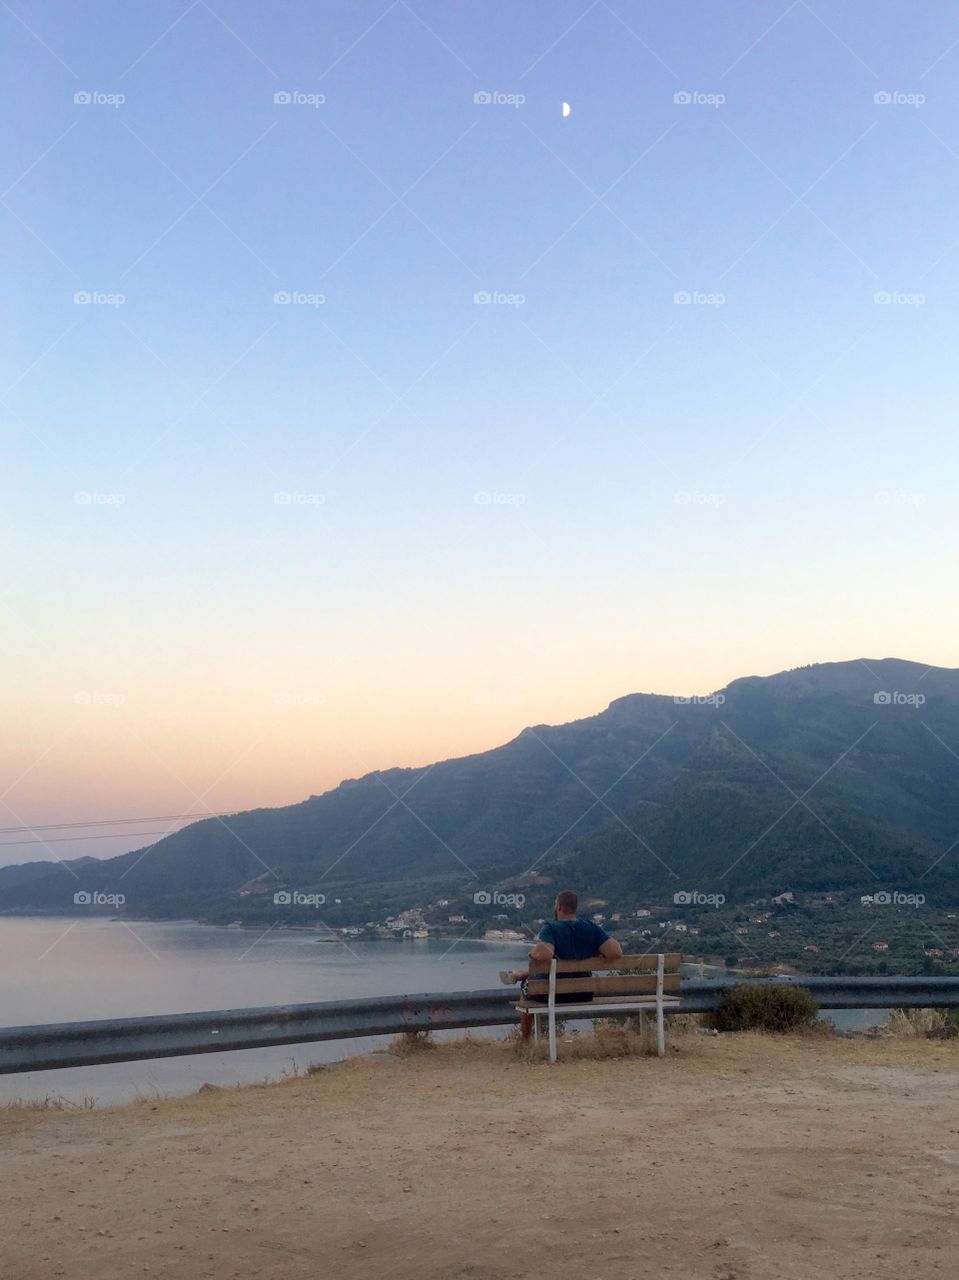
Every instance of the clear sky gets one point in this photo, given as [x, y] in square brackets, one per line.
[703, 428]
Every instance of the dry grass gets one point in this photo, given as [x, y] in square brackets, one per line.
[924, 1024]
[52, 1102]
[411, 1042]
[608, 1039]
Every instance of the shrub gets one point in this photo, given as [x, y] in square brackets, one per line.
[927, 1024]
[767, 1007]
[410, 1042]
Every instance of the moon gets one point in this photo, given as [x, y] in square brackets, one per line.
[565, 109]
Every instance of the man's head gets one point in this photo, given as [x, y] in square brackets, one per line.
[567, 904]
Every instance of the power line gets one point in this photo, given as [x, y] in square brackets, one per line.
[117, 835]
[116, 822]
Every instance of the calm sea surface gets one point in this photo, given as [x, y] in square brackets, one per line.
[68, 970]
[64, 970]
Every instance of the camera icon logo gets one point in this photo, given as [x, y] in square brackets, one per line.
[882, 898]
[82, 898]
[283, 898]
[882, 98]
[83, 98]
[683, 898]
[683, 98]
[882, 698]
[483, 98]
[283, 98]
[482, 897]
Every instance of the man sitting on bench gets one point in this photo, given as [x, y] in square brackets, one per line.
[567, 938]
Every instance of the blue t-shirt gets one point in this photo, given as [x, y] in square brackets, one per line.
[573, 939]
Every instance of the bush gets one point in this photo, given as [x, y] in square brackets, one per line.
[411, 1042]
[927, 1024]
[769, 1007]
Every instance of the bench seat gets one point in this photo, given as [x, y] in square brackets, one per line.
[606, 1003]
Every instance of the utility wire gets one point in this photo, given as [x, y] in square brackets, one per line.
[116, 822]
[116, 835]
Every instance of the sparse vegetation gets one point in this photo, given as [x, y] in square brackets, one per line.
[411, 1042]
[925, 1024]
[52, 1102]
[610, 1038]
[774, 1007]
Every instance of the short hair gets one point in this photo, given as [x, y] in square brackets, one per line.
[567, 901]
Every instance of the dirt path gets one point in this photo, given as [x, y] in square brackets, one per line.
[738, 1158]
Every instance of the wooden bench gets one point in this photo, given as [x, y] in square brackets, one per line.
[633, 984]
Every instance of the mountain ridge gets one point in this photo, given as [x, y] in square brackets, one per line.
[653, 789]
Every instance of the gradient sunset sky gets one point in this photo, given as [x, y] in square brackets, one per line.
[360, 407]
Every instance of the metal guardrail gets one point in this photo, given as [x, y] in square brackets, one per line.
[77, 1044]
[834, 993]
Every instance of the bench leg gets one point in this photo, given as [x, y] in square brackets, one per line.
[660, 1031]
[526, 1024]
[552, 1034]
[535, 1027]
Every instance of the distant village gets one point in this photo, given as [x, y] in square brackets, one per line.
[792, 930]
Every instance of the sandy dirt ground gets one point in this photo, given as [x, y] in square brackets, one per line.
[734, 1158]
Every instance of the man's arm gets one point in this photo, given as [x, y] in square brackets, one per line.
[543, 949]
[542, 952]
[611, 949]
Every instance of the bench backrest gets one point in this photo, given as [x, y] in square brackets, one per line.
[627, 976]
